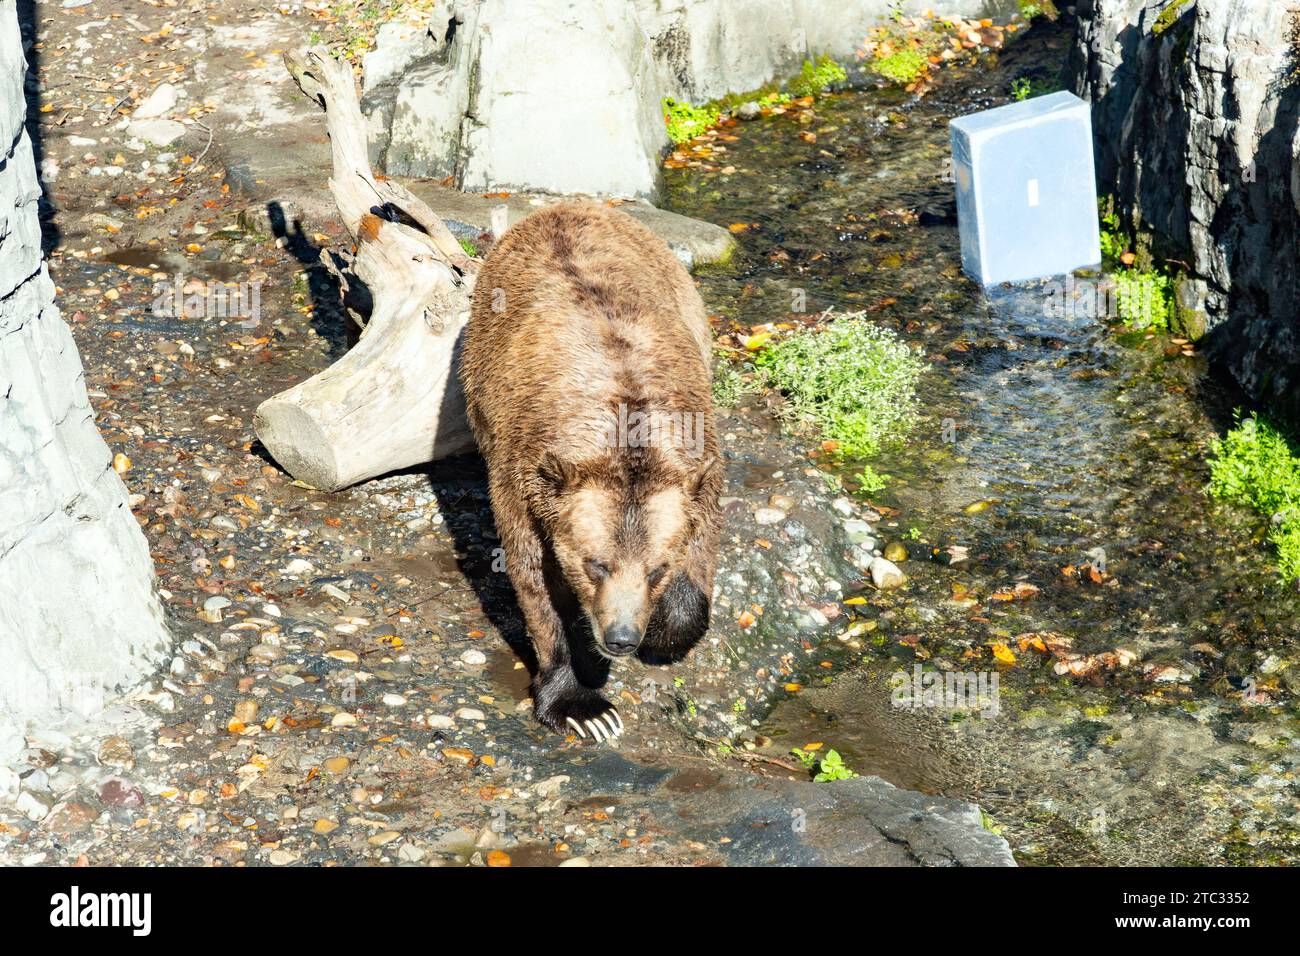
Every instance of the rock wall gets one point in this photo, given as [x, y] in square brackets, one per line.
[1195, 108]
[78, 615]
[564, 95]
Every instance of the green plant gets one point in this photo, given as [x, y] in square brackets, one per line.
[870, 481]
[1254, 465]
[1024, 87]
[470, 248]
[903, 66]
[816, 76]
[1113, 241]
[854, 383]
[829, 767]
[729, 385]
[1144, 300]
[1029, 9]
[685, 121]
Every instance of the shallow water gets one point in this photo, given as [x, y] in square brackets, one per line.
[1047, 443]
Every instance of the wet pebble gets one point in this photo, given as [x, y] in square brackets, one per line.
[885, 574]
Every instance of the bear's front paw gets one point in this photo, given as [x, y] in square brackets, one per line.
[563, 705]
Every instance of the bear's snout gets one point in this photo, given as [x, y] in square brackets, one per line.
[621, 640]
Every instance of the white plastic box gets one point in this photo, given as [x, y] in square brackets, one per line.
[1026, 191]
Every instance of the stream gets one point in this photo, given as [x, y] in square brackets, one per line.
[1051, 503]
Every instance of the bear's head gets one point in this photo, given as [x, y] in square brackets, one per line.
[621, 532]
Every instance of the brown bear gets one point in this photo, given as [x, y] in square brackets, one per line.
[587, 370]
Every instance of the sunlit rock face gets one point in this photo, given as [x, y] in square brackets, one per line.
[565, 97]
[1196, 108]
[79, 620]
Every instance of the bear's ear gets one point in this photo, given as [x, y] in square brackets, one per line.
[706, 475]
[556, 473]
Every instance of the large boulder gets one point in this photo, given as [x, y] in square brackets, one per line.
[79, 619]
[564, 96]
[1195, 110]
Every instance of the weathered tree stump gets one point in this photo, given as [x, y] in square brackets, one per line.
[395, 399]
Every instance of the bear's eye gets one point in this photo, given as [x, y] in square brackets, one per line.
[655, 576]
[597, 570]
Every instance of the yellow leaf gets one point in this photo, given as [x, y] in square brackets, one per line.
[1004, 654]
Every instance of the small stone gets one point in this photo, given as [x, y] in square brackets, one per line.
[337, 765]
[283, 857]
[474, 658]
[265, 653]
[324, 825]
[769, 515]
[409, 853]
[858, 531]
[156, 132]
[216, 603]
[246, 711]
[34, 806]
[118, 793]
[885, 574]
[895, 551]
[343, 654]
[440, 722]
[781, 502]
[297, 567]
[116, 752]
[576, 861]
[70, 818]
[387, 836]
[551, 785]
[749, 110]
[157, 103]
[343, 719]
[469, 713]
[394, 700]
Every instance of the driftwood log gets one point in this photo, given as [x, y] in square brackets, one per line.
[395, 399]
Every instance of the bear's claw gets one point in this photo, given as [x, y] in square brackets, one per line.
[564, 705]
[604, 726]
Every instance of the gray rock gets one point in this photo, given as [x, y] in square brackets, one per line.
[863, 821]
[570, 102]
[156, 132]
[1195, 135]
[158, 103]
[66, 530]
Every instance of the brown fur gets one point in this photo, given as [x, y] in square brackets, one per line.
[580, 310]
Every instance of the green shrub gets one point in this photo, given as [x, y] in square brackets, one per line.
[816, 76]
[853, 383]
[685, 121]
[902, 67]
[1254, 465]
[1145, 300]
